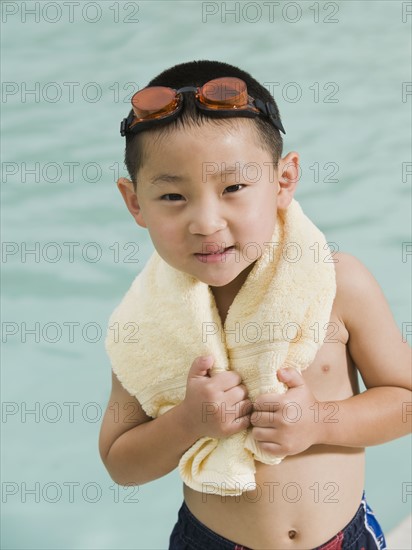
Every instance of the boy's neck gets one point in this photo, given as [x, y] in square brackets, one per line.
[224, 295]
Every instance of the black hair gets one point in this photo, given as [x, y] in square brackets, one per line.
[197, 73]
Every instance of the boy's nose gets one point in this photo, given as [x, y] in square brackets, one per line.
[206, 221]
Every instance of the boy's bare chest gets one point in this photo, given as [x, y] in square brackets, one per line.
[332, 374]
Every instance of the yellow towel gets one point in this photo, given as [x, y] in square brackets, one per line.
[278, 318]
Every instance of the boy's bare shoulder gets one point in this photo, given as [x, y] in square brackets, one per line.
[354, 282]
[351, 273]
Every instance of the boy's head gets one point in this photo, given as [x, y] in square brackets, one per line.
[202, 185]
[197, 73]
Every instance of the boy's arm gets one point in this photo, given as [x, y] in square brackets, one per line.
[384, 411]
[135, 448]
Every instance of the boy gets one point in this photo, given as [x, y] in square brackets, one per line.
[314, 497]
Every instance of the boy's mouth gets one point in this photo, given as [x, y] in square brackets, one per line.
[215, 256]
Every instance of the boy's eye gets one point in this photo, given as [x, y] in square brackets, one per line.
[234, 188]
[171, 197]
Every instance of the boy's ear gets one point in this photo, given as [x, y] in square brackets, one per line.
[129, 195]
[288, 177]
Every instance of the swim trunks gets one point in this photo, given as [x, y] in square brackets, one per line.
[363, 532]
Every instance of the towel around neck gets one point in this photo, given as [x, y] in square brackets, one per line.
[278, 318]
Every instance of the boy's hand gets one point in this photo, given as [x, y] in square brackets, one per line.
[284, 424]
[215, 405]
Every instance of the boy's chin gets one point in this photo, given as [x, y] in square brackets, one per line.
[219, 282]
[235, 280]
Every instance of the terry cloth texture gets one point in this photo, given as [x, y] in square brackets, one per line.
[278, 319]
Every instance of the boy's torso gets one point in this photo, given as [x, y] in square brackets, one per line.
[306, 499]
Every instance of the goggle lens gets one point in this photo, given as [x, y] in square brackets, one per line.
[154, 102]
[223, 93]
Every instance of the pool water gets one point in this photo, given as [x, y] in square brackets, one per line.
[339, 72]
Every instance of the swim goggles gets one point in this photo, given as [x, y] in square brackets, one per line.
[221, 97]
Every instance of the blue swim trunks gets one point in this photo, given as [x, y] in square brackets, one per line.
[363, 532]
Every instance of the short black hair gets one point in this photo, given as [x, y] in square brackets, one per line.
[197, 73]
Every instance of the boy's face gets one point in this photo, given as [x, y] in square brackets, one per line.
[209, 189]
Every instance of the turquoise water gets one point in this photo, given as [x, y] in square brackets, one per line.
[339, 88]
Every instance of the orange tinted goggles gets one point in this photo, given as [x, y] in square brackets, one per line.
[221, 97]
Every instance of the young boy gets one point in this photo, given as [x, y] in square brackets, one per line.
[314, 498]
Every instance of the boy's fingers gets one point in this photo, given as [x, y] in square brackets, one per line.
[227, 379]
[236, 395]
[291, 377]
[246, 407]
[243, 421]
[200, 366]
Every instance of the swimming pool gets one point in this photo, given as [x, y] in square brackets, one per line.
[339, 72]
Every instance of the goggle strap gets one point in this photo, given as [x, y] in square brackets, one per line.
[125, 124]
[123, 127]
[226, 113]
[187, 89]
[269, 110]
